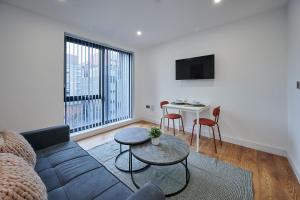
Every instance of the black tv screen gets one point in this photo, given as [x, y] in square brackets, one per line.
[196, 68]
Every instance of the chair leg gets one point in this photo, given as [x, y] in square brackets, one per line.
[168, 123]
[192, 135]
[199, 133]
[182, 124]
[174, 127]
[214, 139]
[219, 134]
[199, 130]
[160, 123]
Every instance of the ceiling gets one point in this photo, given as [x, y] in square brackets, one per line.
[159, 20]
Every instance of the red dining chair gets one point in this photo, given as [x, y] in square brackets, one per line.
[210, 123]
[171, 116]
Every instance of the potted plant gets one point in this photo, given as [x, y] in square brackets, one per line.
[155, 133]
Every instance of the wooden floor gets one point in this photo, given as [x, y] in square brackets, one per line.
[273, 177]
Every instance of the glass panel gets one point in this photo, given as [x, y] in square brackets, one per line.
[82, 82]
[82, 115]
[82, 70]
[117, 85]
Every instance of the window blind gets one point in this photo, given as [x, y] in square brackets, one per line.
[98, 84]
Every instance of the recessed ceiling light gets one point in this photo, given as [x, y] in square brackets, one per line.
[139, 33]
[217, 1]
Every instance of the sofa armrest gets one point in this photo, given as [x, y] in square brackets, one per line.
[148, 192]
[43, 138]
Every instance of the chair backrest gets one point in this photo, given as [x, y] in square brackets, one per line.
[163, 103]
[216, 113]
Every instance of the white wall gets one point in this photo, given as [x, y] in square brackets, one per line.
[31, 68]
[250, 81]
[293, 93]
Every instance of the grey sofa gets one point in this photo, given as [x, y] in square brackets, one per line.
[70, 173]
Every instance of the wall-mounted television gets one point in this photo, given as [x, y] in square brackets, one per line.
[202, 67]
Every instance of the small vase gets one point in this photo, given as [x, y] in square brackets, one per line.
[155, 141]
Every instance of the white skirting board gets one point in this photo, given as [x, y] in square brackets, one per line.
[294, 167]
[237, 141]
[95, 131]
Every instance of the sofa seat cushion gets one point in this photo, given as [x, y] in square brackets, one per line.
[69, 172]
[57, 154]
[117, 192]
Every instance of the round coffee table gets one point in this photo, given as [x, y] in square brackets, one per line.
[170, 151]
[130, 137]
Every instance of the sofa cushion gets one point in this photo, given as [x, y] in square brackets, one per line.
[16, 144]
[57, 154]
[69, 172]
[117, 192]
[18, 180]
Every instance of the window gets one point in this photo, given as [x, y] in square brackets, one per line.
[98, 84]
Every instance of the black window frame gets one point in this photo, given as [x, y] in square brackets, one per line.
[102, 96]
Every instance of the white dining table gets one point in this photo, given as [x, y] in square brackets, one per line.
[197, 110]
